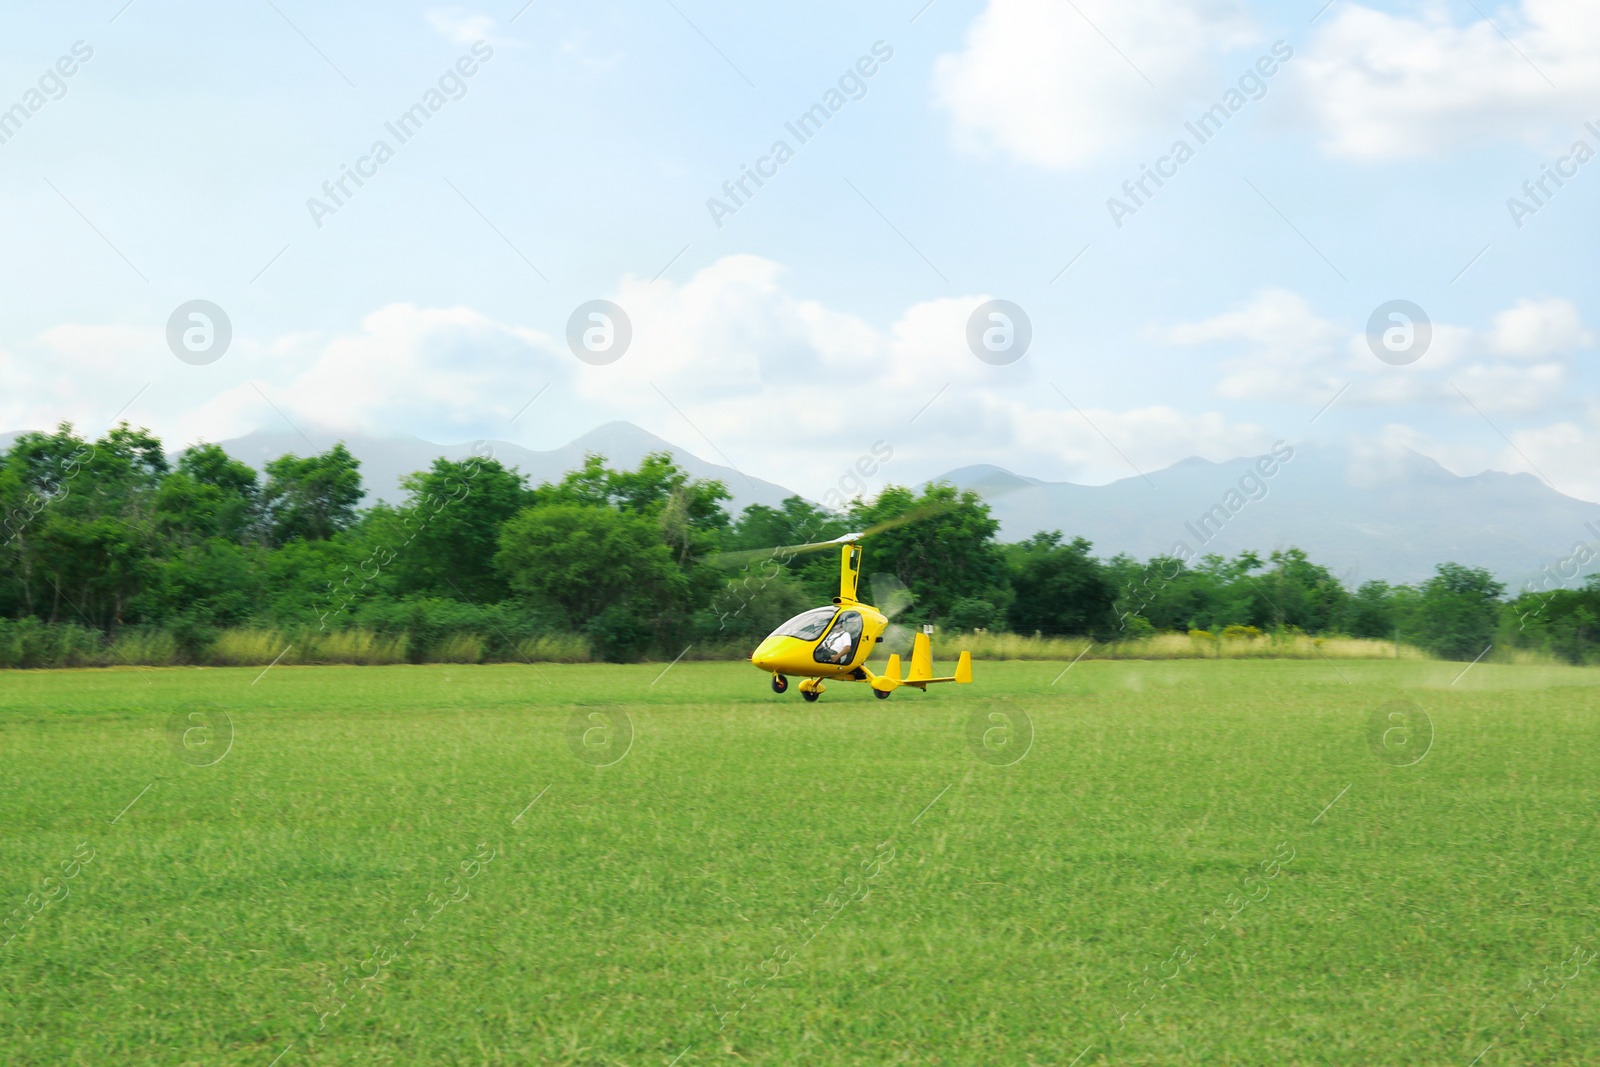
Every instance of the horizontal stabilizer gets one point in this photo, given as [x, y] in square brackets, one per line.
[921, 674]
[889, 680]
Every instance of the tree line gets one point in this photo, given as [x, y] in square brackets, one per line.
[111, 536]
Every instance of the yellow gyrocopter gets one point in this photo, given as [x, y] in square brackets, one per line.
[833, 643]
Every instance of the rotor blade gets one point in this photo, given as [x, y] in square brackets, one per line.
[916, 514]
[783, 553]
[890, 595]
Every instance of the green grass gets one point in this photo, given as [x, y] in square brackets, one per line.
[1002, 926]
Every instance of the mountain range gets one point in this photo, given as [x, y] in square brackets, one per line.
[1365, 514]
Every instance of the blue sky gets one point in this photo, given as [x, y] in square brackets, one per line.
[830, 310]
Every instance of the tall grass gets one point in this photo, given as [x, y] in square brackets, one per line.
[1196, 644]
[457, 648]
[29, 643]
[556, 648]
[147, 648]
[252, 647]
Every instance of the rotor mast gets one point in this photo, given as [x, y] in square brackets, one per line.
[849, 573]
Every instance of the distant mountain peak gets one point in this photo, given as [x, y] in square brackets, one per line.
[1362, 511]
[385, 460]
[987, 479]
[624, 433]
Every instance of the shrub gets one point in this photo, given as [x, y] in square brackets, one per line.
[31, 643]
[619, 635]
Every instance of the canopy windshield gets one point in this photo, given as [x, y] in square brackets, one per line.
[807, 626]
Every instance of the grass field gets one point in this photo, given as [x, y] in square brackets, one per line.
[1219, 862]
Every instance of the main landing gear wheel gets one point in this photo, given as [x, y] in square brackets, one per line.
[811, 695]
[881, 694]
[780, 684]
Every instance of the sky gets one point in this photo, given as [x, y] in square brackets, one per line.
[1198, 216]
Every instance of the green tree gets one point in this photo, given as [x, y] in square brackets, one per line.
[943, 549]
[449, 529]
[1059, 588]
[87, 548]
[210, 494]
[689, 509]
[1371, 611]
[1298, 593]
[1562, 622]
[582, 560]
[1457, 612]
[314, 498]
[1173, 595]
[201, 588]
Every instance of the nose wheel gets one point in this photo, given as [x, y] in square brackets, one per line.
[811, 689]
[780, 684]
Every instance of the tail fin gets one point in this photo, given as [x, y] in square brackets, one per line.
[964, 668]
[921, 659]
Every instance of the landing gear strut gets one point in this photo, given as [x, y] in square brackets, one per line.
[780, 684]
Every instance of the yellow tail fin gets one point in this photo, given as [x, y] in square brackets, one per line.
[921, 659]
[964, 668]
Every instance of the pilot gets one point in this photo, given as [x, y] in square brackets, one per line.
[839, 643]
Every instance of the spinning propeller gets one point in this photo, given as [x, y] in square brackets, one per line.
[890, 596]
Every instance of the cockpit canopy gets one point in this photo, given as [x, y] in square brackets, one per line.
[839, 647]
[806, 626]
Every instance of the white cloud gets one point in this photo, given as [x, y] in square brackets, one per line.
[1535, 329]
[730, 363]
[732, 331]
[795, 391]
[1384, 86]
[445, 372]
[1519, 388]
[1293, 355]
[83, 374]
[460, 26]
[1043, 81]
[1566, 453]
[1277, 348]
